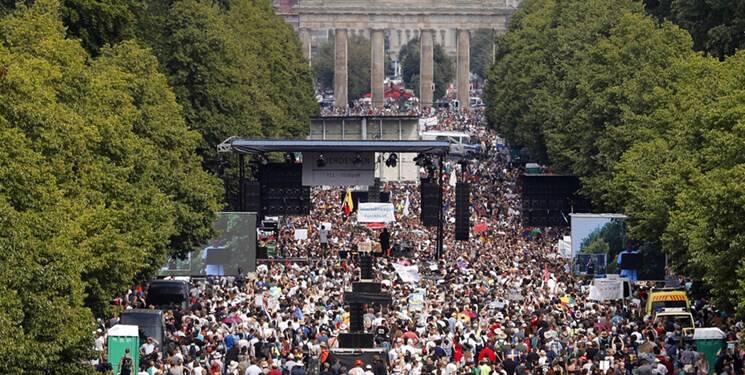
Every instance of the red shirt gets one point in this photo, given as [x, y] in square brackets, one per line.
[457, 353]
[487, 352]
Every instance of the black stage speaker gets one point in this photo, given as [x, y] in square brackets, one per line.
[261, 252]
[366, 267]
[251, 196]
[384, 197]
[282, 190]
[356, 313]
[366, 287]
[631, 261]
[549, 199]
[356, 341]
[373, 191]
[462, 211]
[431, 203]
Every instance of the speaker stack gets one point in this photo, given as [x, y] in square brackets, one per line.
[356, 314]
[373, 192]
[462, 211]
[366, 267]
[431, 203]
[548, 199]
[251, 197]
[282, 190]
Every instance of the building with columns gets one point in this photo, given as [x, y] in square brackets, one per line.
[448, 23]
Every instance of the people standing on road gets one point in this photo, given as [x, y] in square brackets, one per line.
[126, 365]
[506, 294]
[323, 234]
[385, 242]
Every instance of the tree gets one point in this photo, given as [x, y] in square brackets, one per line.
[717, 27]
[443, 68]
[358, 65]
[98, 23]
[572, 77]
[617, 84]
[530, 85]
[236, 71]
[672, 191]
[482, 52]
[101, 184]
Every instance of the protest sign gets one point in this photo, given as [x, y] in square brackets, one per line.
[409, 274]
[375, 213]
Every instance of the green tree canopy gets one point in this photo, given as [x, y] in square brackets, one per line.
[358, 65]
[236, 71]
[600, 90]
[443, 69]
[482, 52]
[717, 27]
[101, 184]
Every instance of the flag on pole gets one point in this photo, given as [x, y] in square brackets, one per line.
[406, 206]
[348, 205]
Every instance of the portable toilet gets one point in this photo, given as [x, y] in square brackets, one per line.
[532, 168]
[120, 338]
[709, 341]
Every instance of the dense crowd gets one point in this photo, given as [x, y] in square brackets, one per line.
[366, 109]
[501, 303]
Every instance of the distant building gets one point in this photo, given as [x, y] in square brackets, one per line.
[286, 9]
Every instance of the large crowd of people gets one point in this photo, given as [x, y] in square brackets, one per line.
[502, 303]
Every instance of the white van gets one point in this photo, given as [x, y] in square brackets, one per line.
[461, 143]
[476, 102]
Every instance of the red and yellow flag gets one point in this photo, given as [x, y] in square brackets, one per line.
[348, 205]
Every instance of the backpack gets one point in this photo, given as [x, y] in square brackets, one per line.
[126, 368]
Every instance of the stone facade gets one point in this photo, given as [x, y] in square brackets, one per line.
[447, 22]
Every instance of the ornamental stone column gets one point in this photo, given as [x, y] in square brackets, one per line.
[340, 68]
[305, 43]
[377, 68]
[426, 68]
[463, 67]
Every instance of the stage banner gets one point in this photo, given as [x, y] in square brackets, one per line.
[338, 169]
[376, 213]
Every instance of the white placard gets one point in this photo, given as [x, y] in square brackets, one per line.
[375, 213]
[339, 169]
[416, 301]
[606, 290]
[408, 274]
[301, 234]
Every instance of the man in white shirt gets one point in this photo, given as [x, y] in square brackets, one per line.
[254, 369]
[148, 347]
[290, 362]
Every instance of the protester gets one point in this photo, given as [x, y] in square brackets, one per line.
[502, 303]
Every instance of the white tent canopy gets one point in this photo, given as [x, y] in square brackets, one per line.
[123, 330]
[712, 333]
